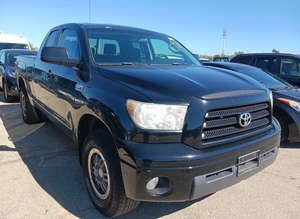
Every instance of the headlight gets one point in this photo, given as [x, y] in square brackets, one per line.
[156, 116]
[11, 74]
[295, 105]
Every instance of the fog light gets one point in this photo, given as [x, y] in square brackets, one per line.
[152, 183]
[159, 186]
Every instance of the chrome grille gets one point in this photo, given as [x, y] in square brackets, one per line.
[224, 123]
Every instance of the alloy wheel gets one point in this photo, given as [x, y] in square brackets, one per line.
[98, 173]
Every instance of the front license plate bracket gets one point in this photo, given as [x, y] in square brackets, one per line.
[248, 162]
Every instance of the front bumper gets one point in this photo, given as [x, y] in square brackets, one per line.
[192, 173]
[12, 86]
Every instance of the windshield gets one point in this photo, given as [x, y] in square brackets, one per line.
[12, 56]
[268, 80]
[110, 46]
[13, 46]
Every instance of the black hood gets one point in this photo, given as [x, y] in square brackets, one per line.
[178, 83]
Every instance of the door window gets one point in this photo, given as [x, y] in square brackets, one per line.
[290, 67]
[266, 64]
[69, 40]
[2, 57]
[52, 39]
[243, 60]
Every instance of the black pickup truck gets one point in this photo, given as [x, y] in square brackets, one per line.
[151, 123]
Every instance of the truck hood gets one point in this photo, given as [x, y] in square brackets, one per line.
[291, 94]
[177, 84]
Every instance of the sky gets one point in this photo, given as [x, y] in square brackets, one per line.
[252, 25]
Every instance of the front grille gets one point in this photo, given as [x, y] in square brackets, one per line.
[224, 123]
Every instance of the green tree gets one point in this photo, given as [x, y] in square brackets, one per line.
[31, 46]
[276, 51]
[239, 53]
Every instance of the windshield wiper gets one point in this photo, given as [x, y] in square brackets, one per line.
[286, 88]
[109, 64]
[176, 63]
[123, 63]
[134, 63]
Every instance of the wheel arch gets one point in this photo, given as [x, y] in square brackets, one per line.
[86, 124]
[283, 114]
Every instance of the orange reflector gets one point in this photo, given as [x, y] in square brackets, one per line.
[284, 100]
[130, 108]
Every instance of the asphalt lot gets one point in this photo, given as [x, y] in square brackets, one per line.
[40, 177]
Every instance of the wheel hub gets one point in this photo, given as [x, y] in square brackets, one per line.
[98, 173]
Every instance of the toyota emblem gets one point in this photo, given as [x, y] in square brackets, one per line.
[245, 119]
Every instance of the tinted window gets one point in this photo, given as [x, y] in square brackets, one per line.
[266, 64]
[243, 60]
[13, 46]
[290, 67]
[69, 40]
[2, 57]
[52, 39]
[11, 57]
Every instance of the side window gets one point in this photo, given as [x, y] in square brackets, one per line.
[266, 64]
[69, 40]
[243, 60]
[52, 39]
[290, 67]
[2, 57]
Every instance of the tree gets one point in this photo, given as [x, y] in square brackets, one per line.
[239, 53]
[31, 46]
[276, 51]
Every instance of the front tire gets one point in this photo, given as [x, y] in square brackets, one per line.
[102, 175]
[284, 126]
[30, 114]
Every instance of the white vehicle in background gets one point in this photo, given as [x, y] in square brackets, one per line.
[13, 41]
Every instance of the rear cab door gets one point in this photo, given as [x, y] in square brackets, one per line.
[39, 80]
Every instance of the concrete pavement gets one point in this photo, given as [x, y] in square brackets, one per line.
[40, 177]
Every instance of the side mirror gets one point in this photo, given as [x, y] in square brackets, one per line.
[57, 55]
[1, 63]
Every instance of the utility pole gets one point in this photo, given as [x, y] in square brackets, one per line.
[224, 36]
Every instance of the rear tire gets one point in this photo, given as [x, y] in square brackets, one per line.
[30, 114]
[102, 175]
[284, 126]
[7, 97]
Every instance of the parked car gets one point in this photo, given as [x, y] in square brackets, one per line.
[286, 98]
[221, 59]
[201, 59]
[285, 66]
[204, 60]
[8, 81]
[150, 122]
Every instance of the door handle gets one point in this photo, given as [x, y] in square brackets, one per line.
[49, 73]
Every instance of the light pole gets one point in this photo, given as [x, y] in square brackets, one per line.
[224, 36]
